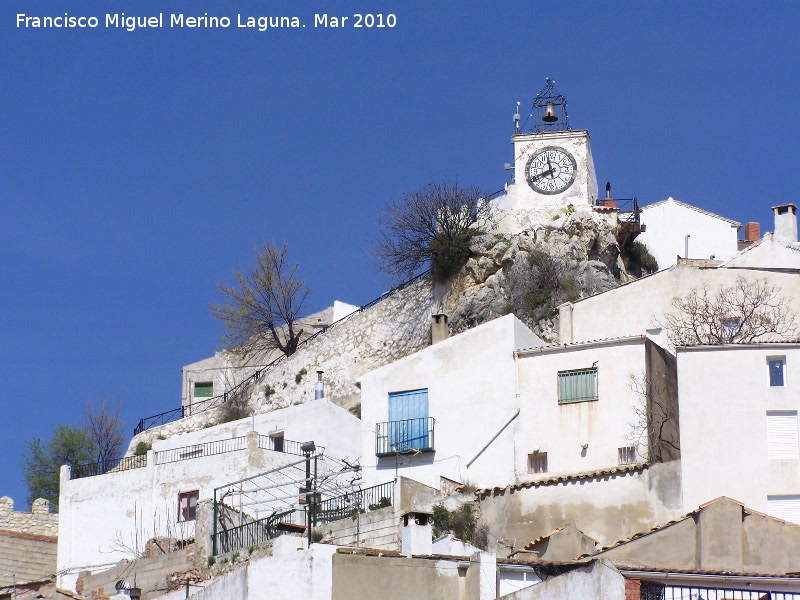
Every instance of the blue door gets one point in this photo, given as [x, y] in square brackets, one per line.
[408, 421]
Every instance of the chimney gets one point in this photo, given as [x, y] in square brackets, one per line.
[752, 232]
[439, 329]
[319, 387]
[785, 223]
[417, 533]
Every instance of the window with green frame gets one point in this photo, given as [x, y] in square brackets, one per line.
[577, 385]
[203, 389]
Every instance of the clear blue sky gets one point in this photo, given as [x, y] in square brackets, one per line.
[138, 169]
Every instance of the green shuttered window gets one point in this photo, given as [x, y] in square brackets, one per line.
[577, 385]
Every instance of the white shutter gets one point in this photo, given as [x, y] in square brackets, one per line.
[782, 440]
[784, 507]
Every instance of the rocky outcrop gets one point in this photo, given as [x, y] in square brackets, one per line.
[531, 273]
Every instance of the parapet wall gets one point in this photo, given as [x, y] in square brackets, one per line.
[39, 520]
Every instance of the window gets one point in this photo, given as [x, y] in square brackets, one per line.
[782, 440]
[577, 385]
[537, 462]
[777, 368]
[626, 455]
[187, 506]
[276, 437]
[730, 327]
[408, 421]
[203, 389]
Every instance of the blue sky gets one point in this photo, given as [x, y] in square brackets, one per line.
[139, 169]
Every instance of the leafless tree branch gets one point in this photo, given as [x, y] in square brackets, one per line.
[747, 311]
[260, 311]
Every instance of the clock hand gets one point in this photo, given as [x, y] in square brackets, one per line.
[542, 174]
[551, 168]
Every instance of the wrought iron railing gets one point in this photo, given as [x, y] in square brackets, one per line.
[200, 450]
[659, 591]
[256, 532]
[403, 437]
[210, 403]
[352, 503]
[115, 465]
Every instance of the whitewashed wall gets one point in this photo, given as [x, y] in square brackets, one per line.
[667, 223]
[94, 511]
[634, 308]
[471, 383]
[559, 429]
[724, 396]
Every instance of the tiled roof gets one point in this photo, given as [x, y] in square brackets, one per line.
[627, 338]
[621, 470]
[694, 208]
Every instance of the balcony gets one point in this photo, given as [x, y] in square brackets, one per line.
[404, 437]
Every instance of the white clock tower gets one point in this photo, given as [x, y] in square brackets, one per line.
[553, 166]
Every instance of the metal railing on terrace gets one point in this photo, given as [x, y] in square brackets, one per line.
[163, 457]
[257, 532]
[211, 403]
[351, 503]
[404, 437]
[124, 463]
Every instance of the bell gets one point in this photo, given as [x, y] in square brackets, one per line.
[550, 115]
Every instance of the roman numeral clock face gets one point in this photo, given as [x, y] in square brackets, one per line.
[551, 170]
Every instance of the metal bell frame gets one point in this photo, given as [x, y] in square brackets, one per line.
[547, 100]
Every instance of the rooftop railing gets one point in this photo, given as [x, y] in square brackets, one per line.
[163, 457]
[115, 465]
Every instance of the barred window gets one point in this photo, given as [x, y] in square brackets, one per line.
[627, 455]
[537, 462]
[577, 385]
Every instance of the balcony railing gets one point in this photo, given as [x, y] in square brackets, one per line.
[404, 437]
[660, 591]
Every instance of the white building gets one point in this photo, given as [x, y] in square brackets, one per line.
[738, 425]
[667, 224]
[108, 516]
[493, 406]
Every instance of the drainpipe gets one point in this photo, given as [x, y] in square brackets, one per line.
[686, 246]
[494, 437]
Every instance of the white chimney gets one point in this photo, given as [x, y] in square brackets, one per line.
[785, 223]
[417, 533]
[319, 387]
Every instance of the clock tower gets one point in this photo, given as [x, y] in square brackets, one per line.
[553, 166]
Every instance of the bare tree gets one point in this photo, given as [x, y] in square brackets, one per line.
[432, 225]
[260, 312]
[748, 311]
[104, 425]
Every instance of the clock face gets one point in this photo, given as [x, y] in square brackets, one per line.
[551, 170]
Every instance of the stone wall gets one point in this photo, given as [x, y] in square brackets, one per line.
[26, 557]
[39, 521]
[392, 329]
[151, 575]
